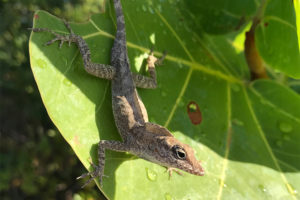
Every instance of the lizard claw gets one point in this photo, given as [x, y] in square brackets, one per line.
[60, 38]
[152, 60]
[88, 181]
[170, 171]
[160, 60]
[151, 50]
[98, 172]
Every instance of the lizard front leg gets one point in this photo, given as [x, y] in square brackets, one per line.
[148, 82]
[99, 169]
[96, 69]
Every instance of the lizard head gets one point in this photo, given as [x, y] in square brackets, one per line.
[170, 152]
[182, 156]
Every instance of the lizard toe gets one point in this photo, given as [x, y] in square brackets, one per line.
[97, 173]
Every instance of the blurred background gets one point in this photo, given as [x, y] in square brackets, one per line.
[29, 142]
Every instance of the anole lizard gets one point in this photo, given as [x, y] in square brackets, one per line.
[146, 140]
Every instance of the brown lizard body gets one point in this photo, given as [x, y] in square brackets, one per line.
[140, 137]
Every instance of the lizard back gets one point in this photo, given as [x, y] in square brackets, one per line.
[127, 108]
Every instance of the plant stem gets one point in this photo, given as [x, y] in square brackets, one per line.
[254, 61]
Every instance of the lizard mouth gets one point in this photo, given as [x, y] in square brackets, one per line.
[195, 170]
[198, 170]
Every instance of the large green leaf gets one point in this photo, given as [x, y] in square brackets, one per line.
[248, 141]
[220, 16]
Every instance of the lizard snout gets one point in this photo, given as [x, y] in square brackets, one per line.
[199, 172]
[198, 169]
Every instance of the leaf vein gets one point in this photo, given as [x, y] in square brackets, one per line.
[277, 19]
[212, 55]
[64, 73]
[274, 106]
[264, 139]
[182, 91]
[288, 165]
[228, 141]
[287, 154]
[176, 35]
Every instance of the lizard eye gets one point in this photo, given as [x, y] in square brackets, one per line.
[179, 152]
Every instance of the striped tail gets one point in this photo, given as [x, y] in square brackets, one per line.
[121, 34]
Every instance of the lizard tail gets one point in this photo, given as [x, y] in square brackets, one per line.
[120, 35]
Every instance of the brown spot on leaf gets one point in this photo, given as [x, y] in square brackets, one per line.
[266, 24]
[75, 140]
[194, 113]
[36, 16]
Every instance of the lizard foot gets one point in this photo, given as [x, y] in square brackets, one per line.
[171, 169]
[58, 37]
[98, 172]
[152, 60]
